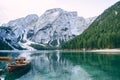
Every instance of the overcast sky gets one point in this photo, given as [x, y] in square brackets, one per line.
[13, 9]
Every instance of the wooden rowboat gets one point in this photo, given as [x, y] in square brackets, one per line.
[5, 58]
[19, 65]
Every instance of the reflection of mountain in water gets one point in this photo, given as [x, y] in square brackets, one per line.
[51, 66]
[58, 65]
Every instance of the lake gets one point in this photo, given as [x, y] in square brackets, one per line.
[65, 65]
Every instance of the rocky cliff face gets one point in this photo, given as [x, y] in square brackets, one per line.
[54, 27]
[21, 26]
[8, 40]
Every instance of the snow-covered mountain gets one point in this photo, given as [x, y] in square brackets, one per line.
[8, 40]
[21, 25]
[54, 27]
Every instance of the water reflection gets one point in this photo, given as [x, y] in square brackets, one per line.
[59, 65]
[51, 66]
[101, 66]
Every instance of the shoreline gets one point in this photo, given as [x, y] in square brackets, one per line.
[105, 50]
[67, 50]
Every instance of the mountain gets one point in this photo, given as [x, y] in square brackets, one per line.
[104, 32]
[21, 26]
[8, 40]
[52, 28]
[56, 26]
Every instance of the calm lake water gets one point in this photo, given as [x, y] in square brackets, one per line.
[65, 65]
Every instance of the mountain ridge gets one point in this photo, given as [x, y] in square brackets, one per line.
[52, 28]
[102, 33]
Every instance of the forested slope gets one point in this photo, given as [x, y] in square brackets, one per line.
[104, 32]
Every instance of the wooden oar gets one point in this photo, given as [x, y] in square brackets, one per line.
[8, 58]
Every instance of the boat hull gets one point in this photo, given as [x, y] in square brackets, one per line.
[15, 68]
[17, 72]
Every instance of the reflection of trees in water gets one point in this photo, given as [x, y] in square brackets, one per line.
[105, 62]
[62, 65]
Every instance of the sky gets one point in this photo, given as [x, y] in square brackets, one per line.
[13, 9]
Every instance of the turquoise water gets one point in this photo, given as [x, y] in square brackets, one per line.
[65, 65]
